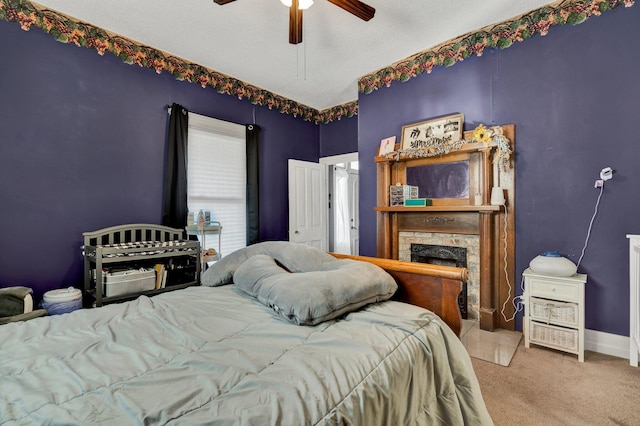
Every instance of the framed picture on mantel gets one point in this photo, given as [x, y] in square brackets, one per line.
[437, 131]
[387, 145]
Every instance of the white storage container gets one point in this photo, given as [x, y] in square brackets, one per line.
[129, 281]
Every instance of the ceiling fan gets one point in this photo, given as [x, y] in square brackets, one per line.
[355, 7]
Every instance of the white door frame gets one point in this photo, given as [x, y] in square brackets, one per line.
[342, 158]
[354, 208]
[327, 162]
[337, 159]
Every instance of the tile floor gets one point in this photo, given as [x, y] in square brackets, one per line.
[494, 346]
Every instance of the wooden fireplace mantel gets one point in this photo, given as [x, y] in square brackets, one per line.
[439, 208]
[494, 225]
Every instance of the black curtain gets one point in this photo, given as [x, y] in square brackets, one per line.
[253, 193]
[174, 208]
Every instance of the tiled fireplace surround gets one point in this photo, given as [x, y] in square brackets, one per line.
[475, 228]
[470, 242]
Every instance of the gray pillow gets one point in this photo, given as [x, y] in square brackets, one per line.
[294, 256]
[332, 289]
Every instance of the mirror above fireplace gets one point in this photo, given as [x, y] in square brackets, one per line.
[445, 180]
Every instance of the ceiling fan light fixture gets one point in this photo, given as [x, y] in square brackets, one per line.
[302, 4]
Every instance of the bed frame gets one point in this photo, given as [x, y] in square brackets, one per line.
[433, 287]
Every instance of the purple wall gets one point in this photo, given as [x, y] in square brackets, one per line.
[574, 97]
[82, 146]
[339, 137]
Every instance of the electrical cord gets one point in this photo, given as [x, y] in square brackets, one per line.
[595, 212]
[517, 302]
[516, 305]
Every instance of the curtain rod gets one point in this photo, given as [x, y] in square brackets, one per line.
[168, 107]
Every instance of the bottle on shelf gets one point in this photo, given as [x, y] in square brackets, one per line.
[201, 220]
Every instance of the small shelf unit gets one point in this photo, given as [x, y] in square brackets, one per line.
[209, 228]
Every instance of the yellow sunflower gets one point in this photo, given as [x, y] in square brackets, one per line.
[481, 134]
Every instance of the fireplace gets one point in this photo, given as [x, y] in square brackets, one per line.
[469, 242]
[486, 231]
[446, 256]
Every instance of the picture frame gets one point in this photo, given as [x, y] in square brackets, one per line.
[387, 145]
[437, 131]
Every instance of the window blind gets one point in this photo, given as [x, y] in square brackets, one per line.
[216, 178]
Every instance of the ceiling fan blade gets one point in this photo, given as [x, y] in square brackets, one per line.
[361, 10]
[221, 2]
[295, 23]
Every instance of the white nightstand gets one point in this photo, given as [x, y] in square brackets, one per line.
[554, 312]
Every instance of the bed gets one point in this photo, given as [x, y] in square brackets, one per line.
[240, 351]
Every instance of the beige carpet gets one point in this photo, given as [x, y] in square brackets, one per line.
[546, 387]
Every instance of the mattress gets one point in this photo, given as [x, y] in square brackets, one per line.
[205, 355]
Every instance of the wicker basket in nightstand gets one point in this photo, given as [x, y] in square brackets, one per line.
[557, 337]
[553, 311]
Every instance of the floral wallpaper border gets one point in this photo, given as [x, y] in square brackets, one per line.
[68, 30]
[501, 36]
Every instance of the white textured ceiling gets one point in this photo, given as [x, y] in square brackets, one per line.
[248, 39]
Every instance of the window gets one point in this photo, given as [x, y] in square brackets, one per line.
[216, 178]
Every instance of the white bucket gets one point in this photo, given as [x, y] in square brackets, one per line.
[62, 301]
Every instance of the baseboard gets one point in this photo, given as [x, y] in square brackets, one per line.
[606, 343]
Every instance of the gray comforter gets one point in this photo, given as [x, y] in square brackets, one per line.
[216, 356]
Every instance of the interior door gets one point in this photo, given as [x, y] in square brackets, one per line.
[354, 212]
[308, 208]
